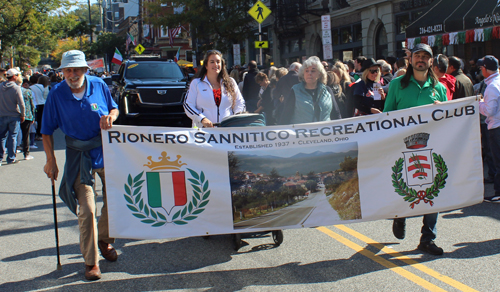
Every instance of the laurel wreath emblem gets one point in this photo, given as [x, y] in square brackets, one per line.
[413, 196]
[141, 210]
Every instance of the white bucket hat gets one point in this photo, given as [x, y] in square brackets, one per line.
[73, 58]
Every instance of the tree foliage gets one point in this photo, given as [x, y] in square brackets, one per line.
[349, 163]
[218, 24]
[68, 44]
[82, 14]
[106, 44]
[31, 27]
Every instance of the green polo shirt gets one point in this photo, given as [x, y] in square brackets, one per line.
[413, 95]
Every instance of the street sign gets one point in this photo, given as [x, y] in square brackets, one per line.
[262, 45]
[327, 52]
[139, 49]
[327, 37]
[325, 22]
[259, 12]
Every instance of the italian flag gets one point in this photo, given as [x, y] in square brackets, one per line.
[117, 57]
[166, 189]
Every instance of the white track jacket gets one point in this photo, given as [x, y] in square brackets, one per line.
[200, 102]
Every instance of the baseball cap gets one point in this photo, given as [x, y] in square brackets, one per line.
[422, 48]
[489, 62]
[12, 72]
[73, 58]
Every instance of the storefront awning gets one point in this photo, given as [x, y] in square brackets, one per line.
[455, 15]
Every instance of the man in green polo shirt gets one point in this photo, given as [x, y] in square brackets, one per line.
[419, 86]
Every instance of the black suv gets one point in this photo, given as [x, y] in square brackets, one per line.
[151, 91]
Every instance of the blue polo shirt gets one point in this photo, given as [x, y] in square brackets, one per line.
[78, 119]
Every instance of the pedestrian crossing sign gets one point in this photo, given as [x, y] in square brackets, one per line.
[262, 45]
[259, 11]
[139, 49]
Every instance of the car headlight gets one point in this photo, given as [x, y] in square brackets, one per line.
[131, 91]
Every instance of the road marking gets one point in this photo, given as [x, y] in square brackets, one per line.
[407, 260]
[393, 267]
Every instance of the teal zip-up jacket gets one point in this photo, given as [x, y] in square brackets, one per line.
[413, 95]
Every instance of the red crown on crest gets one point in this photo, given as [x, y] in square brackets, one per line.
[164, 162]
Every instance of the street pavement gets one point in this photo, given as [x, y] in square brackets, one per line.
[352, 257]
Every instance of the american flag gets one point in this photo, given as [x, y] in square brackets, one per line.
[172, 33]
[129, 40]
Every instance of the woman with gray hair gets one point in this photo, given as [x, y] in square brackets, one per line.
[310, 100]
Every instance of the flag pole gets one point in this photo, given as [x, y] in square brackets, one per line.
[59, 267]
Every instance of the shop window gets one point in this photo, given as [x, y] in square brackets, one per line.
[357, 52]
[346, 35]
[335, 37]
[381, 43]
[402, 22]
[295, 46]
[358, 32]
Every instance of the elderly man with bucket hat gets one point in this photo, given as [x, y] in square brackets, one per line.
[81, 106]
[419, 86]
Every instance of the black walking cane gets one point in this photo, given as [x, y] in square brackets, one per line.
[59, 267]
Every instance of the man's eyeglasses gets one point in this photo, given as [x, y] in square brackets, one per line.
[374, 71]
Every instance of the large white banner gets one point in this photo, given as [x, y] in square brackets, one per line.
[173, 182]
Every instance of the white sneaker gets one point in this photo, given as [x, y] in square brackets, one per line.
[29, 157]
[18, 151]
[34, 146]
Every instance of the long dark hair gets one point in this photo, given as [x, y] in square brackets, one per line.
[405, 81]
[226, 80]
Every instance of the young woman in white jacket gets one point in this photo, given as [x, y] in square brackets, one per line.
[212, 95]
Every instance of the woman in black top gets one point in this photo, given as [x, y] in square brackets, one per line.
[369, 97]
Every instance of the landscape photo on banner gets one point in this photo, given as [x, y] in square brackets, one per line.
[174, 182]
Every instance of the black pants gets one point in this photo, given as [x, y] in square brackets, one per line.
[494, 135]
[39, 114]
[25, 129]
[487, 155]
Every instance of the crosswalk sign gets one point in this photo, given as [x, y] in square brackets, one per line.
[262, 45]
[139, 49]
[259, 11]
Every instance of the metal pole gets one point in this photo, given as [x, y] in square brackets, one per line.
[260, 40]
[140, 22]
[90, 23]
[59, 267]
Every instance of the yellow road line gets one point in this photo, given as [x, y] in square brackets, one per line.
[407, 260]
[393, 267]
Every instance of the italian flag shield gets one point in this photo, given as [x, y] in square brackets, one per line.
[166, 189]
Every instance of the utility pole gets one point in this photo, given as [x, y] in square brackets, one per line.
[140, 22]
[90, 23]
[99, 2]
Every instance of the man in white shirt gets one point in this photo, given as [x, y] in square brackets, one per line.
[490, 108]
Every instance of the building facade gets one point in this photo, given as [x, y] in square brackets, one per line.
[373, 28]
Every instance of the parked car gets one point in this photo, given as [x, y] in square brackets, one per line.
[151, 91]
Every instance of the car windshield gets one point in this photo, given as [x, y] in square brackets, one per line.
[153, 70]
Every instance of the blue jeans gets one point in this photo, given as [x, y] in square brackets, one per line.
[9, 125]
